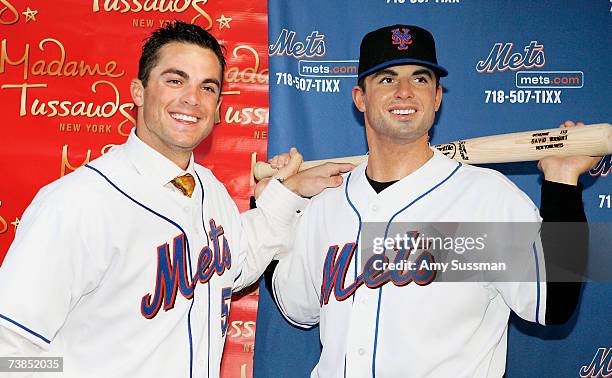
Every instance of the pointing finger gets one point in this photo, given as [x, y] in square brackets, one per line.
[338, 168]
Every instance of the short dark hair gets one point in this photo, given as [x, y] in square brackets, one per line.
[361, 82]
[177, 31]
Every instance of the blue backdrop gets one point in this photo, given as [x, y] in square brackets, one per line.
[513, 66]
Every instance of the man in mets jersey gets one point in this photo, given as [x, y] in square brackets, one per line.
[125, 268]
[383, 323]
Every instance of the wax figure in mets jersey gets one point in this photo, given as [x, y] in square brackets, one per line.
[125, 267]
[391, 324]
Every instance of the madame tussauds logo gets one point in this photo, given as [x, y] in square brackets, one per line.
[59, 66]
[162, 6]
[123, 6]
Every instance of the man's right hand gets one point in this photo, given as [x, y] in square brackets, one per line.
[309, 182]
[313, 181]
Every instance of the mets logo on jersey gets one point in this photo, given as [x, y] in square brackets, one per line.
[172, 276]
[374, 273]
[401, 38]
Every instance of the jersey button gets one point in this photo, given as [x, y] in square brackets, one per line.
[361, 351]
[374, 208]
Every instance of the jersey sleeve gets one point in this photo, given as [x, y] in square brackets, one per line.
[49, 266]
[296, 281]
[268, 230]
[527, 296]
[525, 290]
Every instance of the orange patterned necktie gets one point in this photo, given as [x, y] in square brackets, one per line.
[184, 183]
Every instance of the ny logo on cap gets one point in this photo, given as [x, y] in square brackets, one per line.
[401, 38]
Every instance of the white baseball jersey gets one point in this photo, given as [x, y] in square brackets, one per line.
[429, 329]
[123, 277]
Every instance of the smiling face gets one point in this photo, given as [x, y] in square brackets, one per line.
[176, 108]
[399, 103]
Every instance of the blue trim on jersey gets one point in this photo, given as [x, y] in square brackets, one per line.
[376, 333]
[208, 283]
[386, 232]
[537, 314]
[138, 203]
[25, 329]
[203, 221]
[355, 256]
[188, 253]
[348, 199]
[421, 196]
[190, 338]
[208, 320]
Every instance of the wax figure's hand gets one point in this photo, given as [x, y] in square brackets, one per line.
[307, 183]
[566, 170]
[287, 165]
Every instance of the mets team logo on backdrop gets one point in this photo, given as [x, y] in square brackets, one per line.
[603, 168]
[312, 74]
[401, 38]
[533, 86]
[600, 366]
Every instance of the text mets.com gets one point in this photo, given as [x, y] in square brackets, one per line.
[549, 79]
[328, 68]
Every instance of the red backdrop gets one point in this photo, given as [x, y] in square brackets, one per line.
[65, 68]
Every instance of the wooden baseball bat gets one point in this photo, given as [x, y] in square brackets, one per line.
[592, 140]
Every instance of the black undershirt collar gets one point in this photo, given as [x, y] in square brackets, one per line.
[380, 186]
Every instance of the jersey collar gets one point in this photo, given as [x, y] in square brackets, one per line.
[411, 186]
[151, 164]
